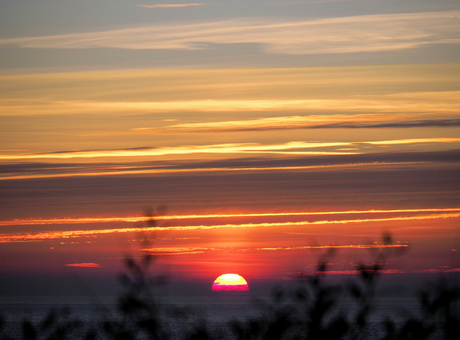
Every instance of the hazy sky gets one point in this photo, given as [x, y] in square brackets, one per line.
[83, 35]
[270, 130]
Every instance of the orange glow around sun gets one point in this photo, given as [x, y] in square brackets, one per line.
[230, 282]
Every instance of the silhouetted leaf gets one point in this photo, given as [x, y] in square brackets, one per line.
[315, 281]
[151, 222]
[414, 329]
[277, 327]
[146, 260]
[322, 267]
[390, 329]
[301, 294]
[162, 210]
[361, 319]
[150, 325]
[49, 320]
[148, 212]
[161, 280]
[337, 328]
[125, 335]
[301, 276]
[331, 252]
[200, 332]
[355, 291]
[130, 304]
[401, 250]
[65, 312]
[28, 331]
[387, 238]
[108, 327]
[364, 272]
[452, 328]
[130, 263]
[91, 335]
[124, 280]
[277, 294]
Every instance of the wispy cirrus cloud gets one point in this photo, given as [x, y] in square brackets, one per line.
[171, 5]
[288, 148]
[227, 148]
[177, 250]
[420, 102]
[312, 122]
[366, 33]
[50, 235]
[134, 219]
[416, 141]
[200, 250]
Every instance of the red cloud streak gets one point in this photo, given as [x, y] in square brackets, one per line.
[85, 265]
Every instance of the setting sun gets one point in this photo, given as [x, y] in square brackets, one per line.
[230, 282]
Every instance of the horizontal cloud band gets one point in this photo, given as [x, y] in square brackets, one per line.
[310, 122]
[34, 237]
[367, 33]
[131, 219]
[290, 148]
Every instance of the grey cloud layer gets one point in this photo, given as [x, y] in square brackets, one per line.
[413, 185]
[368, 33]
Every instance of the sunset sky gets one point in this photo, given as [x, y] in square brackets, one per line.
[259, 133]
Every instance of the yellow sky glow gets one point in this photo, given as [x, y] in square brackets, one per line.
[444, 102]
[228, 148]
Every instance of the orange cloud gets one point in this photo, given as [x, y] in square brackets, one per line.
[177, 251]
[201, 250]
[33, 237]
[343, 246]
[85, 265]
[134, 219]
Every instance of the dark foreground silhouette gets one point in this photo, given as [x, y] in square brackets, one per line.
[312, 311]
